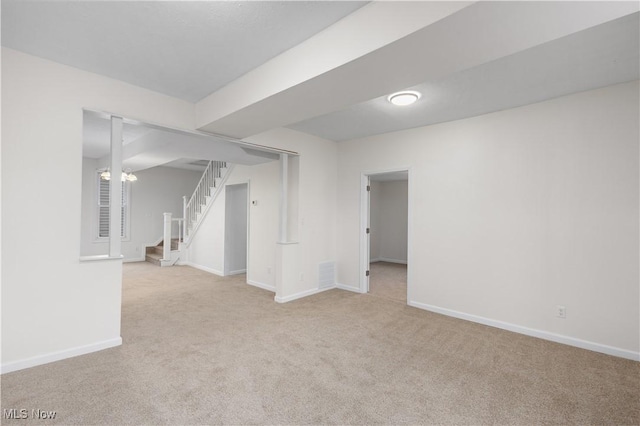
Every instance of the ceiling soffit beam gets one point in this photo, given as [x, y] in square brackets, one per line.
[159, 148]
[375, 25]
[471, 36]
[105, 115]
[167, 144]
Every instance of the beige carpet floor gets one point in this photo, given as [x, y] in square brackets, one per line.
[200, 349]
[388, 280]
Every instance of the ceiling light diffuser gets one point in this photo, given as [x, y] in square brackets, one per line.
[406, 97]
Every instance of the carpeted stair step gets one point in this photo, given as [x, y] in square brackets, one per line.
[153, 258]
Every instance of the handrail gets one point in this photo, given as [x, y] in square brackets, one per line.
[198, 199]
[208, 188]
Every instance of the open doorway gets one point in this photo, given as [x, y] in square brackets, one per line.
[236, 229]
[386, 234]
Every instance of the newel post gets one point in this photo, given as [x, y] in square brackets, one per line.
[166, 245]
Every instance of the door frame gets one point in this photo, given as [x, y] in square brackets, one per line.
[248, 201]
[365, 216]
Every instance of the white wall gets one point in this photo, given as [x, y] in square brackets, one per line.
[389, 204]
[52, 304]
[206, 250]
[157, 190]
[516, 212]
[315, 216]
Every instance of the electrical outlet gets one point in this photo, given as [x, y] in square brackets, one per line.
[269, 270]
[561, 311]
[301, 277]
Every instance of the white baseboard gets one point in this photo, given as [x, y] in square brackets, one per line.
[546, 335]
[262, 285]
[302, 294]
[204, 268]
[348, 288]
[388, 260]
[238, 272]
[59, 355]
[134, 259]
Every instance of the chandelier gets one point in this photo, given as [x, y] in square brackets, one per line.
[127, 175]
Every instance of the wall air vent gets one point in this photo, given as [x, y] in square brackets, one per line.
[327, 274]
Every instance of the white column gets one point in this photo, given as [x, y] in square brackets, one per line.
[287, 252]
[166, 245]
[115, 188]
[284, 197]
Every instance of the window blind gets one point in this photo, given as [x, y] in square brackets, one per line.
[104, 210]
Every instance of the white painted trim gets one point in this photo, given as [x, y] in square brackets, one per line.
[106, 257]
[246, 182]
[364, 219]
[204, 268]
[263, 286]
[541, 334]
[59, 355]
[386, 259]
[348, 288]
[99, 257]
[365, 243]
[301, 294]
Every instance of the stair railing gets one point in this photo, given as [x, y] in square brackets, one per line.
[193, 207]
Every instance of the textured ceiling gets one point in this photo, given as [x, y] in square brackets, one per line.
[467, 61]
[183, 49]
[599, 56]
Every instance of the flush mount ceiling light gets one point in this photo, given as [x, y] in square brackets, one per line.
[403, 98]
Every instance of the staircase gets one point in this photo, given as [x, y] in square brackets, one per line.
[207, 190]
[194, 210]
[154, 254]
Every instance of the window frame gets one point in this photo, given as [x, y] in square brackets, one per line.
[126, 192]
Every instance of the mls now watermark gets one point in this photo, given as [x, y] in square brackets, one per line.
[23, 413]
